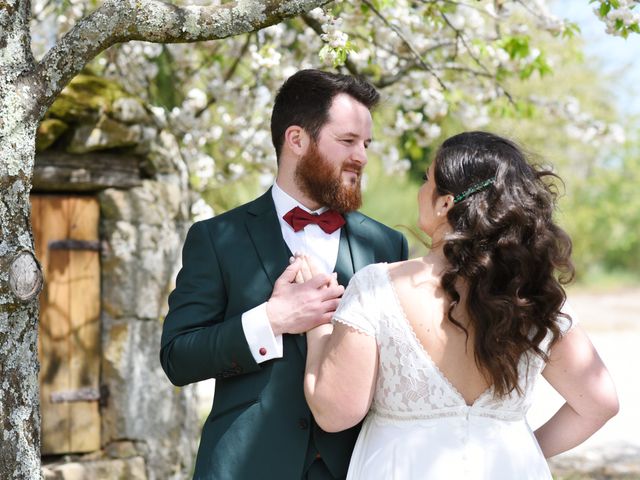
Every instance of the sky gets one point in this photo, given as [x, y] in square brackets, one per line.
[620, 58]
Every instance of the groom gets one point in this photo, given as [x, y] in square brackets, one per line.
[236, 312]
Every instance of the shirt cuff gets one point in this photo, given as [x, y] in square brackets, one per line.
[264, 345]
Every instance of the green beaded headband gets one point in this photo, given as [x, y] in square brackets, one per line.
[473, 189]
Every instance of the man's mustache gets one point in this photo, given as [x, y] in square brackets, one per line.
[353, 167]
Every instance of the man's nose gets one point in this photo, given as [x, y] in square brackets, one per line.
[360, 155]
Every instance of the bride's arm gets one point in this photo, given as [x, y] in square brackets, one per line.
[340, 375]
[341, 368]
[576, 371]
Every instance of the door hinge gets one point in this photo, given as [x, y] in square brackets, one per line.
[71, 244]
[86, 394]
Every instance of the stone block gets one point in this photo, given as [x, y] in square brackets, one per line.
[164, 155]
[103, 135]
[143, 406]
[122, 449]
[72, 471]
[49, 131]
[129, 469]
[129, 110]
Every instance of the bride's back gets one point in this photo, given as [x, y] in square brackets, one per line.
[423, 300]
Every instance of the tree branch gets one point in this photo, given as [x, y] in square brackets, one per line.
[119, 21]
[409, 45]
[227, 76]
[535, 13]
[388, 80]
[478, 62]
[464, 69]
[479, 9]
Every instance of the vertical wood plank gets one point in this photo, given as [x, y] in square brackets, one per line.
[51, 223]
[84, 283]
[69, 341]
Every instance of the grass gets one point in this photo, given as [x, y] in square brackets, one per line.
[600, 279]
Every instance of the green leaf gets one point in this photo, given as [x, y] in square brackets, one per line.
[502, 73]
[527, 71]
[516, 46]
[571, 29]
[525, 109]
[448, 8]
[382, 4]
[542, 66]
[604, 9]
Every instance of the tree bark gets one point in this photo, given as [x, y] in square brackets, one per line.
[20, 284]
[27, 90]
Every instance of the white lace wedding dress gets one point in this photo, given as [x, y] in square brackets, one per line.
[419, 426]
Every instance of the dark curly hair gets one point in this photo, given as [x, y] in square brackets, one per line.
[506, 247]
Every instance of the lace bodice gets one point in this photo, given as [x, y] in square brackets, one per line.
[409, 384]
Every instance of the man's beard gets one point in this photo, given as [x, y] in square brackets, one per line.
[316, 177]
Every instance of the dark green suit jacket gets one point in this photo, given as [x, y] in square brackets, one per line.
[260, 425]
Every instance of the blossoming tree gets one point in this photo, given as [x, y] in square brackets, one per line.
[432, 59]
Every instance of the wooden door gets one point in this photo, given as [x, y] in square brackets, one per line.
[65, 230]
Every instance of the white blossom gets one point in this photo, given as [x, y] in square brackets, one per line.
[200, 210]
[223, 114]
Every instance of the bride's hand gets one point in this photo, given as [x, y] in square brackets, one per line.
[309, 269]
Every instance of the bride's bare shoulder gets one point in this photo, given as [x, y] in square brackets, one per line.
[415, 270]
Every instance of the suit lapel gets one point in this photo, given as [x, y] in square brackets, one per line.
[344, 263]
[360, 245]
[265, 233]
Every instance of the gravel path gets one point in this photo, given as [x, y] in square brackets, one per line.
[612, 321]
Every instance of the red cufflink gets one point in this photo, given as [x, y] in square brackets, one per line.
[262, 351]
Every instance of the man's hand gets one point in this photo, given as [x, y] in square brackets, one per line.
[299, 307]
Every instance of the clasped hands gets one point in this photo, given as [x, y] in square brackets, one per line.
[302, 297]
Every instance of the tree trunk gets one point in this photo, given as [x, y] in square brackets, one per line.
[27, 89]
[20, 283]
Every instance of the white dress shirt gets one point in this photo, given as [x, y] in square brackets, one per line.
[312, 240]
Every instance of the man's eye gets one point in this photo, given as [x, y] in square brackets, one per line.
[425, 177]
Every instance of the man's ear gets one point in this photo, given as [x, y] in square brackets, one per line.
[296, 139]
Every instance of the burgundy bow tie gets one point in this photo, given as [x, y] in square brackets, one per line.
[329, 221]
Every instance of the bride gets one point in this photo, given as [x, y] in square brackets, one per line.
[441, 353]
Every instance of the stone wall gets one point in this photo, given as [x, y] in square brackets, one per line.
[96, 139]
